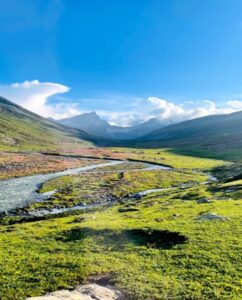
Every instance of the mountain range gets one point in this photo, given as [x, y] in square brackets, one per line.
[218, 136]
[92, 124]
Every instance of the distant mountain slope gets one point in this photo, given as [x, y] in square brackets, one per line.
[217, 133]
[94, 125]
[22, 129]
[89, 122]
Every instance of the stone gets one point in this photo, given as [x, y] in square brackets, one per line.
[137, 196]
[203, 200]
[211, 217]
[159, 220]
[79, 220]
[176, 215]
[85, 292]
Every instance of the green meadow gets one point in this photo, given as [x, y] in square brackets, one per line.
[155, 247]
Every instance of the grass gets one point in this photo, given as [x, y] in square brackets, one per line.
[20, 132]
[63, 252]
[124, 166]
[233, 183]
[157, 251]
[233, 155]
[167, 157]
[92, 188]
[159, 156]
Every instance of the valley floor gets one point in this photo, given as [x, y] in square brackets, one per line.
[23, 164]
[182, 241]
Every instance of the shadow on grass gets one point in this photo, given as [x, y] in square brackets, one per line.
[117, 240]
[154, 238]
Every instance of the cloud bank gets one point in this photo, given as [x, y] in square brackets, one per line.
[167, 112]
[36, 96]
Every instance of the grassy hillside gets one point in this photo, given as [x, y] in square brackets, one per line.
[22, 130]
[212, 136]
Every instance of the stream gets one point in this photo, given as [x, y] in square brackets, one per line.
[20, 192]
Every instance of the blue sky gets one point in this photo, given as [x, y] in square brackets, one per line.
[113, 56]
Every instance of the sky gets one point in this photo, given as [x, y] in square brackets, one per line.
[128, 60]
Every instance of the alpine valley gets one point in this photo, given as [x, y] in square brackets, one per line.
[98, 211]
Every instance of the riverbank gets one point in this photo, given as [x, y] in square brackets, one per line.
[26, 187]
[14, 165]
[63, 190]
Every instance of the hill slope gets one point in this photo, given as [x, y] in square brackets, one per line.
[217, 135]
[21, 129]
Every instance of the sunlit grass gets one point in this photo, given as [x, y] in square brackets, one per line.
[166, 156]
[41, 257]
[64, 251]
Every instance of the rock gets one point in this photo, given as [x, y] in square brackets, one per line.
[211, 217]
[79, 220]
[121, 175]
[203, 200]
[230, 190]
[176, 215]
[151, 203]
[159, 220]
[137, 196]
[85, 292]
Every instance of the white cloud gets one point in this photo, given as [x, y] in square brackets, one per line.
[167, 112]
[235, 104]
[121, 118]
[34, 95]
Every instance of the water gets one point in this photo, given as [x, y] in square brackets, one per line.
[147, 192]
[42, 212]
[19, 192]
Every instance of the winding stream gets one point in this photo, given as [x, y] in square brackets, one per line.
[20, 192]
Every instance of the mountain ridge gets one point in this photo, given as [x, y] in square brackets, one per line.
[94, 125]
[218, 135]
[23, 129]
[212, 136]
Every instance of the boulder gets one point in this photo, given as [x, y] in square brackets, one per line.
[203, 200]
[211, 217]
[85, 292]
[137, 196]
